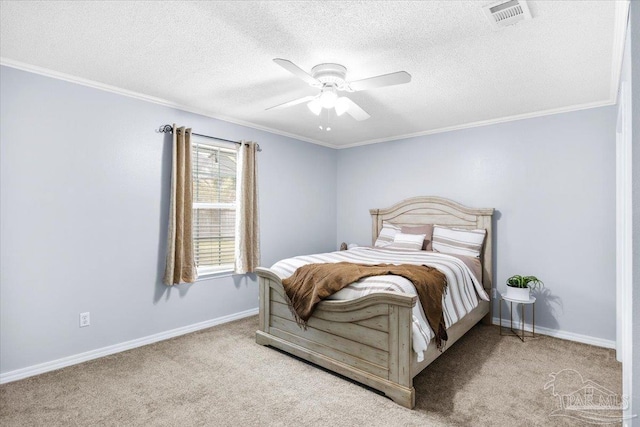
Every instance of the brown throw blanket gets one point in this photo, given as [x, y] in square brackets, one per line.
[312, 283]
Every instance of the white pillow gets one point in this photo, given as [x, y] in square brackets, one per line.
[388, 232]
[408, 242]
[458, 241]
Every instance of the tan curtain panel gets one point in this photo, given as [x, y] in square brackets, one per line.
[181, 266]
[247, 227]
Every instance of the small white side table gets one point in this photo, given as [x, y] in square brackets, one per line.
[521, 335]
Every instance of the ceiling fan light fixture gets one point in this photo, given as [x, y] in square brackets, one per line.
[328, 98]
[342, 105]
[315, 106]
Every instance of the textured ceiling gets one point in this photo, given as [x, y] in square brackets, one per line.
[216, 58]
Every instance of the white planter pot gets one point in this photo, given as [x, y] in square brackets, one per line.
[521, 294]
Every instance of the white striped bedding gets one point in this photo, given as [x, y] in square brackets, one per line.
[462, 292]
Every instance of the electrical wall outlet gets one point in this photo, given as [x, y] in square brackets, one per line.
[85, 319]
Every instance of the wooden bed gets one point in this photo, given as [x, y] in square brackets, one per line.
[369, 339]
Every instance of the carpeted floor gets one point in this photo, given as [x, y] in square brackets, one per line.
[220, 377]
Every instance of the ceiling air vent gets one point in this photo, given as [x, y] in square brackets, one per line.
[504, 13]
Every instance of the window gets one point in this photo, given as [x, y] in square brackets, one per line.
[214, 204]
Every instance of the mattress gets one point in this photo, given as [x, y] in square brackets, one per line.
[464, 289]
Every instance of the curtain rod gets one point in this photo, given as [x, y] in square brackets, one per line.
[169, 129]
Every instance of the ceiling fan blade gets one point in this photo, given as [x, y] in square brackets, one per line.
[397, 78]
[355, 111]
[292, 103]
[297, 71]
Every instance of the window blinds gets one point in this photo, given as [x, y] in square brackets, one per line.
[214, 206]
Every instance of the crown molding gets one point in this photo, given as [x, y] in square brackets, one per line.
[152, 99]
[486, 122]
[621, 16]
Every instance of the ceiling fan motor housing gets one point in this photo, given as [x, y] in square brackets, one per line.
[330, 74]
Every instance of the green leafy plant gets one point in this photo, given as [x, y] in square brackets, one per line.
[531, 282]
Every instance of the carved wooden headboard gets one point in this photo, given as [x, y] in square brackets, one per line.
[436, 210]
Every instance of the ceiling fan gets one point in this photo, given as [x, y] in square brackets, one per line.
[330, 79]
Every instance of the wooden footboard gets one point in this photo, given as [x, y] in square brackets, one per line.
[367, 340]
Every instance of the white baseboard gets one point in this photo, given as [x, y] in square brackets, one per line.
[41, 368]
[570, 336]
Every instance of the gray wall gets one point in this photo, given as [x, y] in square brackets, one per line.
[552, 182]
[635, 99]
[83, 212]
[83, 183]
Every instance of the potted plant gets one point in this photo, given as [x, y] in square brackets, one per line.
[519, 287]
